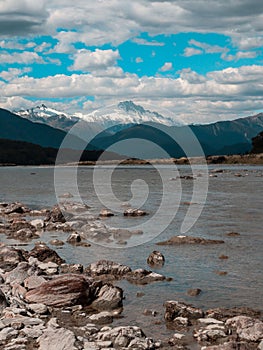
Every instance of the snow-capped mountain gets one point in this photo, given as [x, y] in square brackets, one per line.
[49, 116]
[115, 117]
[125, 114]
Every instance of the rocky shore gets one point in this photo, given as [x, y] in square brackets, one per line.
[47, 303]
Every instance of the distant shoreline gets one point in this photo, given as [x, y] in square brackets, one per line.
[249, 159]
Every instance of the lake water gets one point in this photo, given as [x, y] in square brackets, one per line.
[233, 204]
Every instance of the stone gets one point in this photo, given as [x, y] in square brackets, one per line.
[10, 257]
[176, 309]
[17, 208]
[55, 215]
[38, 224]
[194, 292]
[134, 212]
[177, 240]
[3, 301]
[40, 309]
[65, 290]
[141, 276]
[106, 213]
[101, 318]
[210, 320]
[106, 267]
[33, 282]
[56, 242]
[108, 298]
[45, 254]
[57, 339]
[66, 195]
[8, 333]
[74, 238]
[71, 268]
[19, 273]
[260, 346]
[246, 327]
[232, 234]
[156, 258]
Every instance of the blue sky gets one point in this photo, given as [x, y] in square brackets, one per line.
[200, 60]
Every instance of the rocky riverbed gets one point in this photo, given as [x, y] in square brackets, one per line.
[47, 303]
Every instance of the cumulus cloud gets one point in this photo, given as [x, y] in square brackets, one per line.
[26, 57]
[239, 55]
[141, 41]
[12, 73]
[86, 60]
[207, 47]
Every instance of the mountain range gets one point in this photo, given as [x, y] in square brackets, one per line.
[116, 125]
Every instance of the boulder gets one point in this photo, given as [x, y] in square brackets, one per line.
[10, 257]
[65, 290]
[247, 328]
[17, 208]
[134, 212]
[177, 240]
[57, 339]
[156, 258]
[174, 309]
[106, 267]
[38, 224]
[55, 215]
[103, 317]
[194, 292]
[45, 254]
[141, 276]
[74, 238]
[108, 298]
[106, 213]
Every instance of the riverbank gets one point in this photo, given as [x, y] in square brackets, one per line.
[47, 303]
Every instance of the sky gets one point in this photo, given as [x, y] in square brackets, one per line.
[200, 60]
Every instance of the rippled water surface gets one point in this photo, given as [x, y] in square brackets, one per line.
[233, 204]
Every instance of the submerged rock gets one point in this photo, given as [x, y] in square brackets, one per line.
[134, 212]
[189, 240]
[106, 213]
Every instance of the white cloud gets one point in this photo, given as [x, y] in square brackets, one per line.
[247, 43]
[166, 67]
[191, 51]
[86, 60]
[239, 55]
[141, 41]
[12, 73]
[26, 57]
[207, 47]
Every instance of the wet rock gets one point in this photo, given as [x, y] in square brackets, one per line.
[223, 314]
[174, 309]
[17, 208]
[232, 234]
[194, 292]
[103, 317]
[38, 224]
[176, 240]
[148, 312]
[66, 195]
[10, 257]
[74, 238]
[108, 298]
[156, 258]
[141, 276]
[247, 328]
[56, 242]
[223, 257]
[65, 290]
[74, 207]
[45, 254]
[134, 212]
[55, 215]
[57, 339]
[221, 273]
[24, 234]
[106, 213]
[106, 267]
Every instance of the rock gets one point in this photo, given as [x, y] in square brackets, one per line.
[55, 215]
[141, 276]
[45, 254]
[7, 333]
[232, 234]
[66, 195]
[33, 282]
[260, 346]
[56, 242]
[65, 290]
[74, 207]
[247, 328]
[224, 314]
[148, 312]
[71, 268]
[108, 298]
[3, 301]
[10, 257]
[20, 273]
[24, 234]
[74, 238]
[221, 273]
[223, 257]
[33, 332]
[231, 345]
[134, 212]
[102, 317]
[106, 213]
[38, 308]
[17, 208]
[194, 292]
[209, 320]
[176, 309]
[155, 259]
[189, 240]
[38, 224]
[57, 339]
[106, 267]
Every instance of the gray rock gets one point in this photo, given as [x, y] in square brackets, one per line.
[156, 258]
[109, 298]
[106, 213]
[102, 317]
[57, 339]
[176, 309]
[134, 212]
[34, 281]
[247, 328]
[40, 309]
[102, 267]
